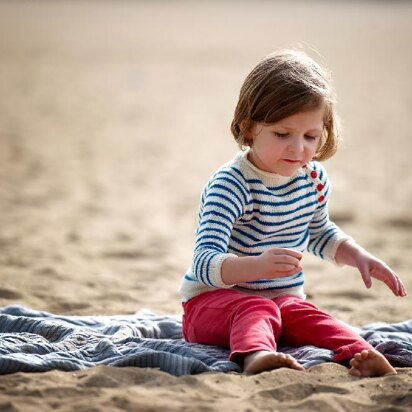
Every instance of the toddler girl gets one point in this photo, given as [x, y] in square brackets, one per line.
[259, 212]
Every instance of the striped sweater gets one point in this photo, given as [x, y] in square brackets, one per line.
[245, 211]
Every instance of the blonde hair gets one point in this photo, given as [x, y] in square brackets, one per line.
[283, 84]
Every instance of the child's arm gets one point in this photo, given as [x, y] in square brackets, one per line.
[350, 253]
[271, 264]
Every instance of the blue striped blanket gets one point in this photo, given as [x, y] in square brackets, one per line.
[33, 341]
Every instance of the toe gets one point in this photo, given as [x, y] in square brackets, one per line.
[354, 363]
[297, 366]
[357, 356]
[355, 372]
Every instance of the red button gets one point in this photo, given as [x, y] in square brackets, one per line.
[319, 187]
[321, 198]
[313, 174]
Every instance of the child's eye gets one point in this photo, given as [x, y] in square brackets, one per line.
[310, 137]
[281, 134]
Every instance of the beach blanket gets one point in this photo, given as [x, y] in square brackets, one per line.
[34, 341]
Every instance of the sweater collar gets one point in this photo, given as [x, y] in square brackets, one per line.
[267, 178]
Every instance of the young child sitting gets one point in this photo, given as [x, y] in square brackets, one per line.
[259, 212]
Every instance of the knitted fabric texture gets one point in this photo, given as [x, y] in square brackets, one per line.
[245, 211]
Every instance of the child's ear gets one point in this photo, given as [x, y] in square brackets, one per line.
[245, 128]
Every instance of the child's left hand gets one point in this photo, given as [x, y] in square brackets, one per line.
[369, 266]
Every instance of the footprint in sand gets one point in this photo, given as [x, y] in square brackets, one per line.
[9, 294]
[125, 254]
[49, 272]
[349, 294]
[299, 391]
[114, 296]
[149, 250]
[399, 222]
[106, 377]
[395, 400]
[72, 306]
[122, 249]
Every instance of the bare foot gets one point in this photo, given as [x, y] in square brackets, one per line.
[370, 363]
[260, 361]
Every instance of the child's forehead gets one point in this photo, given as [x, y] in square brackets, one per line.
[313, 119]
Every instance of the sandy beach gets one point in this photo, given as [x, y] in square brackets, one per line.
[114, 114]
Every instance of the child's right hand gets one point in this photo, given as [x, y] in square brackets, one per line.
[277, 263]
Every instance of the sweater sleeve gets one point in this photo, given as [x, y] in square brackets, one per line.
[222, 204]
[324, 235]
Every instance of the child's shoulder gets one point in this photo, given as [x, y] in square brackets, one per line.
[233, 170]
[316, 170]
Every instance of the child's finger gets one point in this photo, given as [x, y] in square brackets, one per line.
[286, 273]
[395, 281]
[398, 288]
[403, 289]
[285, 267]
[399, 284]
[364, 271]
[295, 253]
[388, 282]
[290, 260]
[289, 252]
[390, 279]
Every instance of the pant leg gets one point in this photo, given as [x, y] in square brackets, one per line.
[305, 324]
[229, 318]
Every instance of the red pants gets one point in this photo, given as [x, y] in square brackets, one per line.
[248, 324]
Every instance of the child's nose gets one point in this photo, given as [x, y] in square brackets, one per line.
[297, 144]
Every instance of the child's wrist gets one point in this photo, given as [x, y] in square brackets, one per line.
[239, 270]
[254, 268]
[349, 253]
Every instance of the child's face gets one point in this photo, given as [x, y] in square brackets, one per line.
[285, 146]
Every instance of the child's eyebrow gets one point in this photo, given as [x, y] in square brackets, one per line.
[292, 128]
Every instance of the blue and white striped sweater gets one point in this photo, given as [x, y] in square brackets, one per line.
[245, 211]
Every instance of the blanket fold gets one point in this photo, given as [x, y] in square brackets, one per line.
[35, 341]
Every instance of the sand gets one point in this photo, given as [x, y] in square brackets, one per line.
[113, 114]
